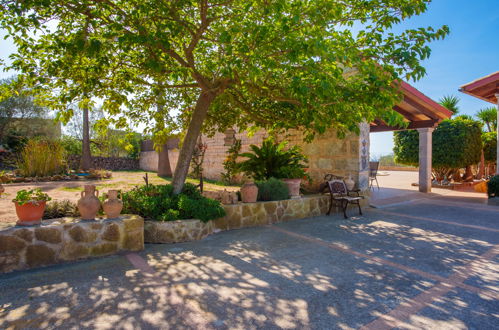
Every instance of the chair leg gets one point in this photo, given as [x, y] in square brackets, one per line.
[360, 210]
[330, 206]
[377, 184]
[345, 209]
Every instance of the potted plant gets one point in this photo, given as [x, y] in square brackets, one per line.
[493, 190]
[276, 160]
[30, 205]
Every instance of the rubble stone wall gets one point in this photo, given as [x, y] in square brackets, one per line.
[67, 239]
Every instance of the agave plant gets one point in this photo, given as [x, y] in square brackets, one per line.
[273, 160]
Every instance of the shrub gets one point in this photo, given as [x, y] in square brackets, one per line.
[493, 186]
[157, 202]
[61, 209]
[71, 145]
[272, 190]
[273, 160]
[489, 140]
[456, 144]
[41, 158]
[230, 163]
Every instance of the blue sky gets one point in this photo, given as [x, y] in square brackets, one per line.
[470, 51]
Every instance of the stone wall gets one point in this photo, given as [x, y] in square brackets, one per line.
[106, 163]
[66, 239]
[148, 161]
[237, 216]
[327, 154]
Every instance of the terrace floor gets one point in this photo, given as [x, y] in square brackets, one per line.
[426, 263]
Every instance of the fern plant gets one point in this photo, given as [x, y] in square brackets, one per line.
[273, 160]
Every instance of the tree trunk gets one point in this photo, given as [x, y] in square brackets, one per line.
[86, 157]
[184, 158]
[164, 168]
[481, 167]
[468, 175]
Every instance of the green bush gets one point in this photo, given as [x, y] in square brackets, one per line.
[456, 144]
[61, 209]
[273, 160]
[71, 145]
[272, 190]
[41, 158]
[493, 186]
[489, 140]
[157, 202]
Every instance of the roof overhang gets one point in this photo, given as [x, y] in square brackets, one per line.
[484, 88]
[418, 110]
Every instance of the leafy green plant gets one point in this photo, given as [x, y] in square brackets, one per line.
[456, 144]
[157, 202]
[41, 158]
[489, 141]
[273, 160]
[34, 196]
[493, 186]
[230, 163]
[272, 190]
[61, 209]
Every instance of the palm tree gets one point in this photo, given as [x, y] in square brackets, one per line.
[488, 116]
[450, 102]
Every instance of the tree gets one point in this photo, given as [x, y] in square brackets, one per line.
[451, 103]
[488, 116]
[215, 64]
[456, 144]
[17, 104]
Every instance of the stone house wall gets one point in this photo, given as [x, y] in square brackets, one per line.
[106, 163]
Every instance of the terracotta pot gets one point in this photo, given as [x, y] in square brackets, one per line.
[112, 205]
[30, 213]
[249, 192]
[293, 187]
[89, 204]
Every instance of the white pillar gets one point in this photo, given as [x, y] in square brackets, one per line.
[497, 157]
[425, 153]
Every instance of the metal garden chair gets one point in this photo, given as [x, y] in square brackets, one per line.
[373, 173]
[340, 196]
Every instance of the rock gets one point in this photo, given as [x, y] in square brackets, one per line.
[25, 234]
[111, 233]
[103, 249]
[72, 251]
[79, 234]
[11, 244]
[47, 234]
[133, 222]
[134, 241]
[39, 255]
[9, 262]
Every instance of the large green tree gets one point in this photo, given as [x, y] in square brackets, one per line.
[207, 65]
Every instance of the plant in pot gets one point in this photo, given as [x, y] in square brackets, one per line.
[493, 190]
[30, 205]
[275, 160]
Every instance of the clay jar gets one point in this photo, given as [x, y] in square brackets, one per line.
[89, 204]
[249, 192]
[112, 205]
[293, 187]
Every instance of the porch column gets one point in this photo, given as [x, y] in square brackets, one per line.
[497, 156]
[425, 149]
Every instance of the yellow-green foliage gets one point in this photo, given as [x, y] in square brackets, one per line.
[41, 158]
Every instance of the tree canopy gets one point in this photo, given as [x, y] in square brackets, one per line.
[192, 65]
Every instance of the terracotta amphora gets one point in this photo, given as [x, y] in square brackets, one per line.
[112, 205]
[89, 204]
[249, 192]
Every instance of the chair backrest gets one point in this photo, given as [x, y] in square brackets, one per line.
[329, 177]
[337, 187]
[373, 168]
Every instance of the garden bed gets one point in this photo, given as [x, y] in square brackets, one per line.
[239, 215]
[67, 239]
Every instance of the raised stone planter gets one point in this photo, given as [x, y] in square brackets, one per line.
[237, 216]
[176, 231]
[66, 239]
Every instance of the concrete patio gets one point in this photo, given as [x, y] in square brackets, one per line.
[424, 264]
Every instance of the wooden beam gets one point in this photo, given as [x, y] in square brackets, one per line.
[421, 108]
[412, 125]
[409, 116]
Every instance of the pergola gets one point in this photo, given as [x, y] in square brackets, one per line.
[421, 113]
[487, 89]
